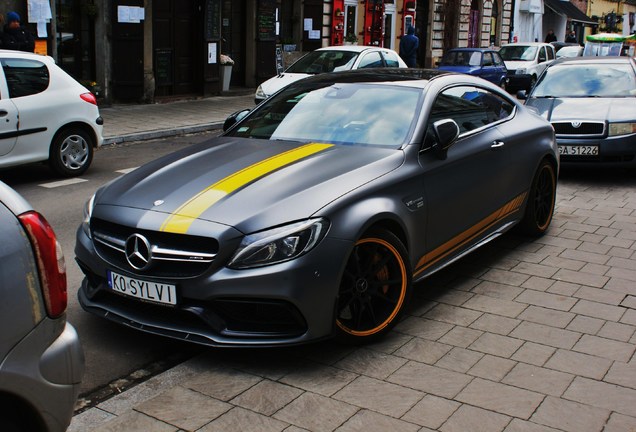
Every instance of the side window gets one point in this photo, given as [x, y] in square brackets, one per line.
[542, 55]
[488, 59]
[470, 107]
[25, 77]
[391, 59]
[551, 54]
[371, 60]
[498, 60]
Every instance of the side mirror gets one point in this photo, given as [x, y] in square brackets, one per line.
[446, 133]
[234, 118]
[522, 95]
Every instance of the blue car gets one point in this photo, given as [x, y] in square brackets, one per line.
[482, 62]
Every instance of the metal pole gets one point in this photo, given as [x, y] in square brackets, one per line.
[53, 36]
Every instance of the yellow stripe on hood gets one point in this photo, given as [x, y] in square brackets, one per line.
[179, 221]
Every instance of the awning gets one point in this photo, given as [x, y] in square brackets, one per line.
[569, 10]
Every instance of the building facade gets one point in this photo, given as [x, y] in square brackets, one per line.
[149, 50]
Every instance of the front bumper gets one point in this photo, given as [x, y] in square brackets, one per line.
[284, 304]
[46, 375]
[617, 151]
[518, 81]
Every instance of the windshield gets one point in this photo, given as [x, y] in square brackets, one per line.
[518, 52]
[367, 114]
[461, 58]
[603, 48]
[324, 61]
[587, 80]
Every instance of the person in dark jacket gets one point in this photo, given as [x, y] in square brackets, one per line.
[408, 47]
[16, 37]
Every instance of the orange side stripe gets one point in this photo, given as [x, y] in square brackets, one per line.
[456, 242]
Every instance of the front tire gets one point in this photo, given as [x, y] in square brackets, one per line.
[540, 206]
[71, 152]
[533, 81]
[375, 288]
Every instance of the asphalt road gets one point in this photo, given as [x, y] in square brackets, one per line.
[112, 351]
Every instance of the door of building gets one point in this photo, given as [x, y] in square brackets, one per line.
[474, 29]
[177, 44]
[76, 39]
[127, 52]
[313, 10]
[421, 30]
[233, 42]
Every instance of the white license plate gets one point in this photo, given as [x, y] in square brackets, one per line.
[145, 290]
[578, 150]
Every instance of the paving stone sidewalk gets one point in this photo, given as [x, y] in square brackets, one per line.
[524, 335]
[124, 123]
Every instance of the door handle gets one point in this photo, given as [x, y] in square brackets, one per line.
[3, 113]
[497, 144]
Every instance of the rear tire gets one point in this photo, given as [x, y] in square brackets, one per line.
[71, 152]
[375, 288]
[541, 199]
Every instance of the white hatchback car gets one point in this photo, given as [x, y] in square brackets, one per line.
[47, 115]
[525, 62]
[330, 59]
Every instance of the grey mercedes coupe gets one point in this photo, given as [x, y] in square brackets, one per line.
[313, 214]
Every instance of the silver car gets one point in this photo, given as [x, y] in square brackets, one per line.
[41, 360]
[591, 103]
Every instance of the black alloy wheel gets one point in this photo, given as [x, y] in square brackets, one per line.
[375, 288]
[540, 207]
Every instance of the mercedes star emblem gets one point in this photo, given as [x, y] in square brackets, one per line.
[138, 252]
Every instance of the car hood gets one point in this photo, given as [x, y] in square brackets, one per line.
[276, 83]
[581, 109]
[249, 184]
[517, 64]
[461, 69]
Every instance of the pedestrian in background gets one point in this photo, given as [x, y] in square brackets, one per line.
[550, 37]
[571, 37]
[408, 47]
[15, 36]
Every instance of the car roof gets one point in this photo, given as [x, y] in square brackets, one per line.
[418, 77]
[25, 54]
[354, 48]
[528, 44]
[471, 49]
[595, 60]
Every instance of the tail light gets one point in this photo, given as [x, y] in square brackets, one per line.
[50, 261]
[89, 97]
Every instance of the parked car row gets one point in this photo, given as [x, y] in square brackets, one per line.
[515, 66]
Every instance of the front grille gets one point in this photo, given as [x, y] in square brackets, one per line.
[618, 159]
[579, 129]
[173, 255]
[236, 318]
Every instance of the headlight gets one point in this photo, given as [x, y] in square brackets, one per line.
[621, 129]
[279, 244]
[88, 211]
[260, 93]
[521, 71]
